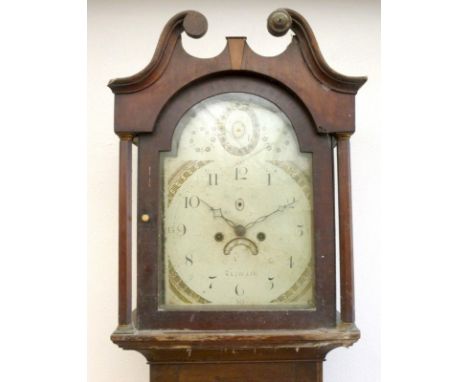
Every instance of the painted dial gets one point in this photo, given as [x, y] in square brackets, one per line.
[237, 212]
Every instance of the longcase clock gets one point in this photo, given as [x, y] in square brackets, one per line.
[236, 257]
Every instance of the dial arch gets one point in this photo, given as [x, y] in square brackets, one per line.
[302, 121]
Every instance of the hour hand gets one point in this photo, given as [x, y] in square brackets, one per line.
[217, 213]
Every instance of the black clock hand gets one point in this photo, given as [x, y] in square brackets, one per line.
[281, 208]
[218, 213]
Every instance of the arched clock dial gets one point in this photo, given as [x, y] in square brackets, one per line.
[237, 208]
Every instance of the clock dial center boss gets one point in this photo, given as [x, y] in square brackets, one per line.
[237, 209]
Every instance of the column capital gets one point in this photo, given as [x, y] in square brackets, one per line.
[125, 136]
[345, 135]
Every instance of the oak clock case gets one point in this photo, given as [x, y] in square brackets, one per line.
[236, 258]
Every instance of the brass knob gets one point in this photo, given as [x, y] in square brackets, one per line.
[145, 218]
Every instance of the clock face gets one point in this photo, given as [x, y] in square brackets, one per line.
[237, 209]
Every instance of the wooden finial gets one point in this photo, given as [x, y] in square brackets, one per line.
[195, 24]
[279, 22]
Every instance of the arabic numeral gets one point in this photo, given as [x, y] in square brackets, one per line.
[290, 202]
[211, 278]
[241, 173]
[239, 291]
[300, 229]
[213, 179]
[189, 259]
[272, 284]
[180, 229]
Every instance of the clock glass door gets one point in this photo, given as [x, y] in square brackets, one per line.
[237, 219]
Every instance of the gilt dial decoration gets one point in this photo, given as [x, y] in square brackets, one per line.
[237, 202]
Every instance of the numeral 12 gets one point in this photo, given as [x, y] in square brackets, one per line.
[241, 173]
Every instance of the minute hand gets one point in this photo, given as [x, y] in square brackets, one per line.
[263, 218]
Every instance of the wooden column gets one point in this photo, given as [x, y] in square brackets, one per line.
[345, 228]
[125, 233]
